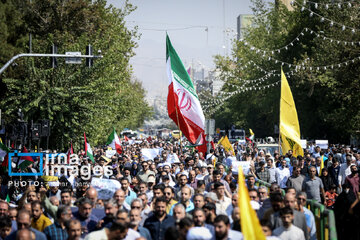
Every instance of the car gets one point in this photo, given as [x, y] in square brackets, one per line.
[177, 134]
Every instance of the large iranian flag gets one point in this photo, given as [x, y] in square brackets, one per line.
[114, 142]
[88, 150]
[183, 103]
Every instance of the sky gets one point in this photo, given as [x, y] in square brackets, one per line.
[195, 28]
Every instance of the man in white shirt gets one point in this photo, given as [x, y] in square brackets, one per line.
[282, 174]
[345, 170]
[223, 202]
[288, 231]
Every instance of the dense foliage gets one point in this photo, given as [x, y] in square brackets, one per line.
[74, 97]
[327, 100]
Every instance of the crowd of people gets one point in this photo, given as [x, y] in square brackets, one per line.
[183, 194]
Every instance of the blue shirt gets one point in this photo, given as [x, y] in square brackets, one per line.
[189, 208]
[131, 196]
[55, 232]
[144, 232]
[156, 228]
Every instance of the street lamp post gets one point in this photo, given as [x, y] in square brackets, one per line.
[6, 65]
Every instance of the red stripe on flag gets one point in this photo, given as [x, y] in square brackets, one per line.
[190, 130]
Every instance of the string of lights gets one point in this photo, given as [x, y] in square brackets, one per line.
[322, 19]
[327, 5]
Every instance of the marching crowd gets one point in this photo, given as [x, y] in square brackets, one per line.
[183, 194]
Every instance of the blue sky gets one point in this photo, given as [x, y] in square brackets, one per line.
[195, 28]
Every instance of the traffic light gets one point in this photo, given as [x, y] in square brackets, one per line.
[89, 51]
[36, 131]
[53, 60]
[45, 128]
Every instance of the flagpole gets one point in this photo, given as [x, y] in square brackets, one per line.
[280, 113]
[177, 119]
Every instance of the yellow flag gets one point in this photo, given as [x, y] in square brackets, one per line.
[107, 160]
[224, 141]
[321, 165]
[289, 123]
[250, 225]
[251, 132]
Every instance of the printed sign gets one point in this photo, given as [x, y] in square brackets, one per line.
[244, 164]
[105, 187]
[303, 143]
[323, 144]
[150, 153]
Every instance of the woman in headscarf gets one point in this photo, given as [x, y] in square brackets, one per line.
[326, 179]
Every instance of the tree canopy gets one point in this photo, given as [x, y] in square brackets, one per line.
[74, 97]
[318, 48]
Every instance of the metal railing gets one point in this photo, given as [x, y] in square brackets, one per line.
[324, 218]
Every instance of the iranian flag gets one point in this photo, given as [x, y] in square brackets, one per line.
[25, 161]
[114, 142]
[88, 150]
[182, 102]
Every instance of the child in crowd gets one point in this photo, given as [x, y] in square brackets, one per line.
[330, 196]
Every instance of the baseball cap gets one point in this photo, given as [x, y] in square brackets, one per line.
[151, 179]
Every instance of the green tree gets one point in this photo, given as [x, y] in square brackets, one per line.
[326, 99]
[74, 97]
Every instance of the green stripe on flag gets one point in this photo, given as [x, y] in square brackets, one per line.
[177, 68]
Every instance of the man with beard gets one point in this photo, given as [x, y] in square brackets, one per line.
[199, 220]
[129, 195]
[87, 220]
[353, 179]
[110, 208]
[135, 218]
[223, 231]
[169, 196]
[39, 221]
[159, 221]
[210, 212]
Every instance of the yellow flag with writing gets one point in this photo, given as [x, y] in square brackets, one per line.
[224, 141]
[289, 123]
[250, 225]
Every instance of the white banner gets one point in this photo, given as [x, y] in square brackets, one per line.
[303, 143]
[110, 153]
[150, 153]
[323, 144]
[105, 187]
[244, 164]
